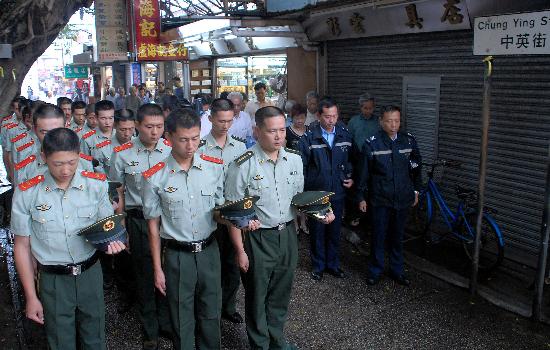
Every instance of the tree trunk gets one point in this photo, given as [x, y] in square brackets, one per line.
[30, 27]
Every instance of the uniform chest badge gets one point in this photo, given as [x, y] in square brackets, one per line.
[293, 172]
[258, 177]
[43, 207]
[133, 163]
[170, 189]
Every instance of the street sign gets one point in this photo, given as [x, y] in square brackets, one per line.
[517, 34]
[76, 72]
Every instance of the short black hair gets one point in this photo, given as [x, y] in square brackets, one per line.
[221, 105]
[325, 102]
[148, 109]
[224, 94]
[78, 105]
[104, 105]
[259, 86]
[48, 111]
[63, 101]
[124, 115]
[298, 109]
[267, 112]
[60, 140]
[90, 108]
[389, 109]
[170, 103]
[182, 118]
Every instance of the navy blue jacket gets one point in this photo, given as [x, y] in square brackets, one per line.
[326, 168]
[390, 171]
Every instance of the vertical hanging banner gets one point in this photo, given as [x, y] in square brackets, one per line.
[110, 21]
[147, 29]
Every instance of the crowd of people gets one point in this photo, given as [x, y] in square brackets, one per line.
[174, 164]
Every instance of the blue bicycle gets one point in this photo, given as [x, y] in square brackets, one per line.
[460, 223]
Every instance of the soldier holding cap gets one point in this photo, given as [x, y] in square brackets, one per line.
[269, 254]
[220, 145]
[128, 162]
[48, 211]
[179, 195]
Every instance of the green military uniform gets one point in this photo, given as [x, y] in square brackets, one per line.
[6, 121]
[72, 298]
[102, 152]
[233, 148]
[85, 129]
[90, 140]
[273, 249]
[25, 146]
[12, 135]
[127, 163]
[184, 201]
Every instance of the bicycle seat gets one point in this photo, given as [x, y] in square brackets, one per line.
[464, 193]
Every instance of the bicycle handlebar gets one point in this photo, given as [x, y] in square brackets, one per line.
[443, 162]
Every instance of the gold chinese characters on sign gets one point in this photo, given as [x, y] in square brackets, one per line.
[412, 14]
[451, 13]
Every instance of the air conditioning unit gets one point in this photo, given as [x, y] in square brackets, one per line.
[5, 51]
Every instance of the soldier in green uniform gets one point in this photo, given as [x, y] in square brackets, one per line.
[48, 211]
[105, 112]
[124, 129]
[269, 255]
[28, 150]
[179, 195]
[128, 162]
[91, 120]
[78, 110]
[220, 145]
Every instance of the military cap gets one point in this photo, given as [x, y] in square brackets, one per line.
[239, 212]
[105, 231]
[113, 194]
[313, 203]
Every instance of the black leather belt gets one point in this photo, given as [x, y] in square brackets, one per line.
[135, 212]
[190, 247]
[279, 227]
[70, 269]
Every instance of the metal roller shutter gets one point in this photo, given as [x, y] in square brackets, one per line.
[520, 116]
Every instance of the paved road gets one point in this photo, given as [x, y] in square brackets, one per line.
[346, 314]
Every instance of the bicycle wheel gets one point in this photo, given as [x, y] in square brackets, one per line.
[491, 252]
[420, 216]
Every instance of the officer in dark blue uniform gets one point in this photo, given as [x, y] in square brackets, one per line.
[390, 180]
[325, 152]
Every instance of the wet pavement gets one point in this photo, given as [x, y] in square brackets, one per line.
[347, 314]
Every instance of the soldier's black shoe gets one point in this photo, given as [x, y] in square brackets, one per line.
[371, 281]
[338, 273]
[402, 280]
[233, 318]
[317, 276]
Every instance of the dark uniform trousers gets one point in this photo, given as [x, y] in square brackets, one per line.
[74, 300]
[392, 221]
[230, 273]
[153, 307]
[325, 240]
[273, 256]
[193, 281]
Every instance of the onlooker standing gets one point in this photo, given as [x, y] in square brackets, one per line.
[178, 89]
[144, 95]
[120, 99]
[390, 180]
[297, 129]
[365, 124]
[111, 96]
[325, 152]
[242, 124]
[132, 101]
[260, 89]
[312, 100]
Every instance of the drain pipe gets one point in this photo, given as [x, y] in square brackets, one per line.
[543, 251]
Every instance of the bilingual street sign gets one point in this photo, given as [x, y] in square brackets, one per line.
[515, 34]
[76, 72]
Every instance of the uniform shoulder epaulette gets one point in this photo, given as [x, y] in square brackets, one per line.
[202, 143]
[86, 157]
[290, 150]
[92, 175]
[31, 183]
[79, 129]
[26, 145]
[88, 134]
[155, 168]
[238, 138]
[167, 143]
[103, 144]
[25, 162]
[11, 125]
[19, 137]
[127, 145]
[6, 117]
[244, 157]
[211, 159]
